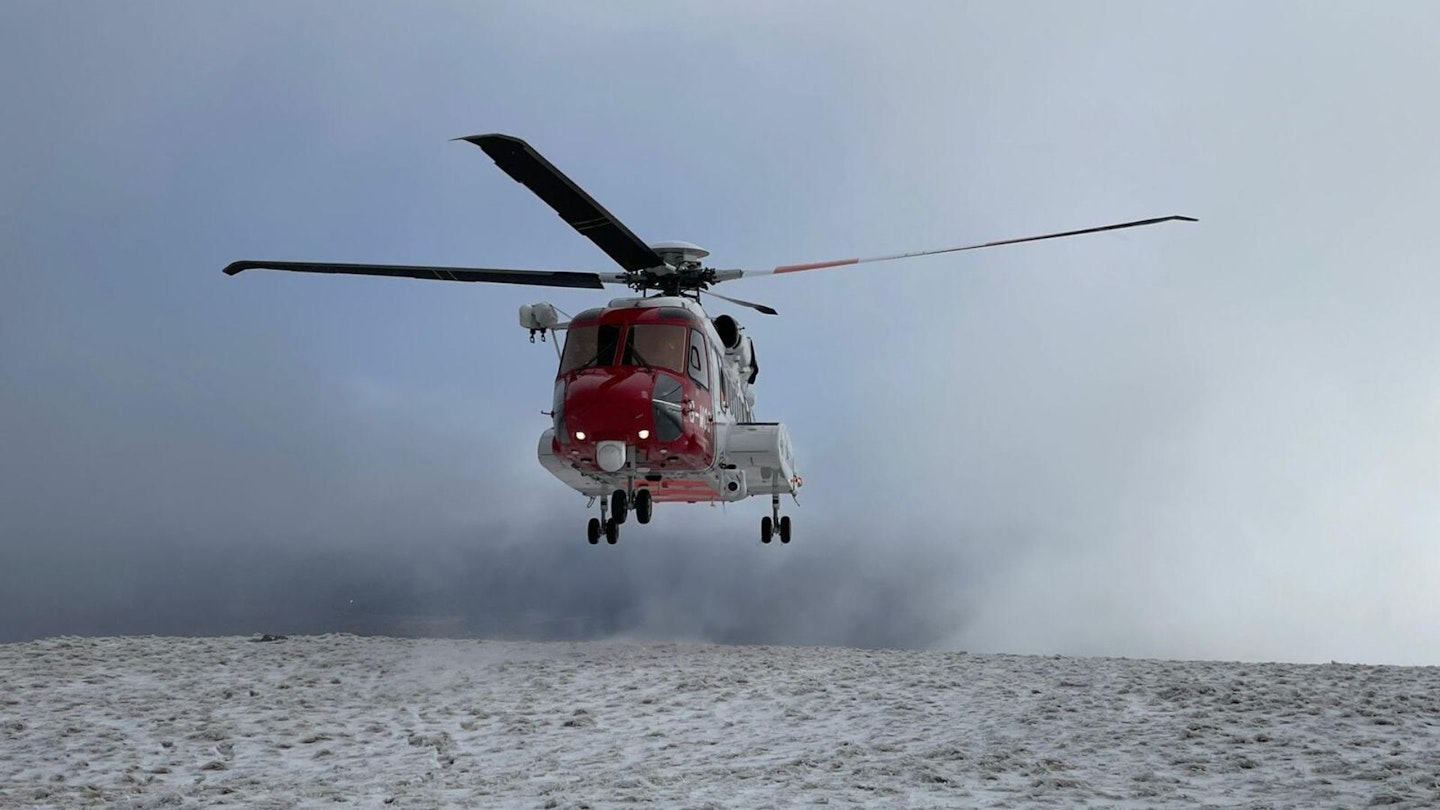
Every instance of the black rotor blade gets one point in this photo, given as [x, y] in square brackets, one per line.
[539, 278]
[520, 160]
[750, 304]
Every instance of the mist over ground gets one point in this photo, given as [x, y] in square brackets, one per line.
[1204, 441]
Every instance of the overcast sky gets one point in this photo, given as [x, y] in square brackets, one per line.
[1218, 440]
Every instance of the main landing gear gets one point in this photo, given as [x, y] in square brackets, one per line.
[770, 526]
[617, 507]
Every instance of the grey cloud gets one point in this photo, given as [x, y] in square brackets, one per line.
[1208, 441]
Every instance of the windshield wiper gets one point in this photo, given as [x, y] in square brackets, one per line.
[632, 353]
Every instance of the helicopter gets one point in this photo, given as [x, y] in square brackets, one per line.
[654, 400]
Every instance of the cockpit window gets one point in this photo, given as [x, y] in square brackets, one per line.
[656, 346]
[587, 346]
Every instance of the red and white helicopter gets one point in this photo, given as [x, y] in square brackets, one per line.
[654, 399]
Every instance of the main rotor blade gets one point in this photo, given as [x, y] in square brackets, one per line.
[727, 275]
[539, 278]
[520, 160]
[750, 304]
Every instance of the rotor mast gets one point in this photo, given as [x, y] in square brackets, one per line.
[681, 271]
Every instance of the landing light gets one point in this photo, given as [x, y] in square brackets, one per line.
[644, 434]
[579, 435]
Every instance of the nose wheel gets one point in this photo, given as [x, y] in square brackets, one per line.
[613, 511]
[773, 524]
[607, 527]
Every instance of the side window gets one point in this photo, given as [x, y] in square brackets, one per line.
[696, 364]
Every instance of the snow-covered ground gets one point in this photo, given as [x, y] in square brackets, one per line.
[329, 720]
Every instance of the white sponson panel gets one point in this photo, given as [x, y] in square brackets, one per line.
[764, 452]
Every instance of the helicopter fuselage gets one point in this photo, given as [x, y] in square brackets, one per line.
[651, 395]
[653, 398]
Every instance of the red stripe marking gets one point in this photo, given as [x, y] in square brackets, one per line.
[794, 268]
[679, 484]
[682, 490]
[695, 496]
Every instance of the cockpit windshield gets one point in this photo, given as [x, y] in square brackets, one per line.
[655, 345]
[587, 346]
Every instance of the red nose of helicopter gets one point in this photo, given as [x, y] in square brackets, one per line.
[615, 415]
[609, 405]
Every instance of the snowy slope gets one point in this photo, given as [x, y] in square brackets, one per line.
[375, 722]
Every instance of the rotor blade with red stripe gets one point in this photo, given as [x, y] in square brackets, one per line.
[528, 167]
[727, 275]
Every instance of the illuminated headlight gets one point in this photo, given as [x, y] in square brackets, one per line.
[579, 435]
[644, 434]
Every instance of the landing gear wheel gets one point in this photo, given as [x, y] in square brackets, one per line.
[612, 531]
[785, 529]
[592, 532]
[644, 506]
[619, 506]
[767, 529]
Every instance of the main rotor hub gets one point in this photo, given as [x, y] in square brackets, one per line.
[680, 254]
